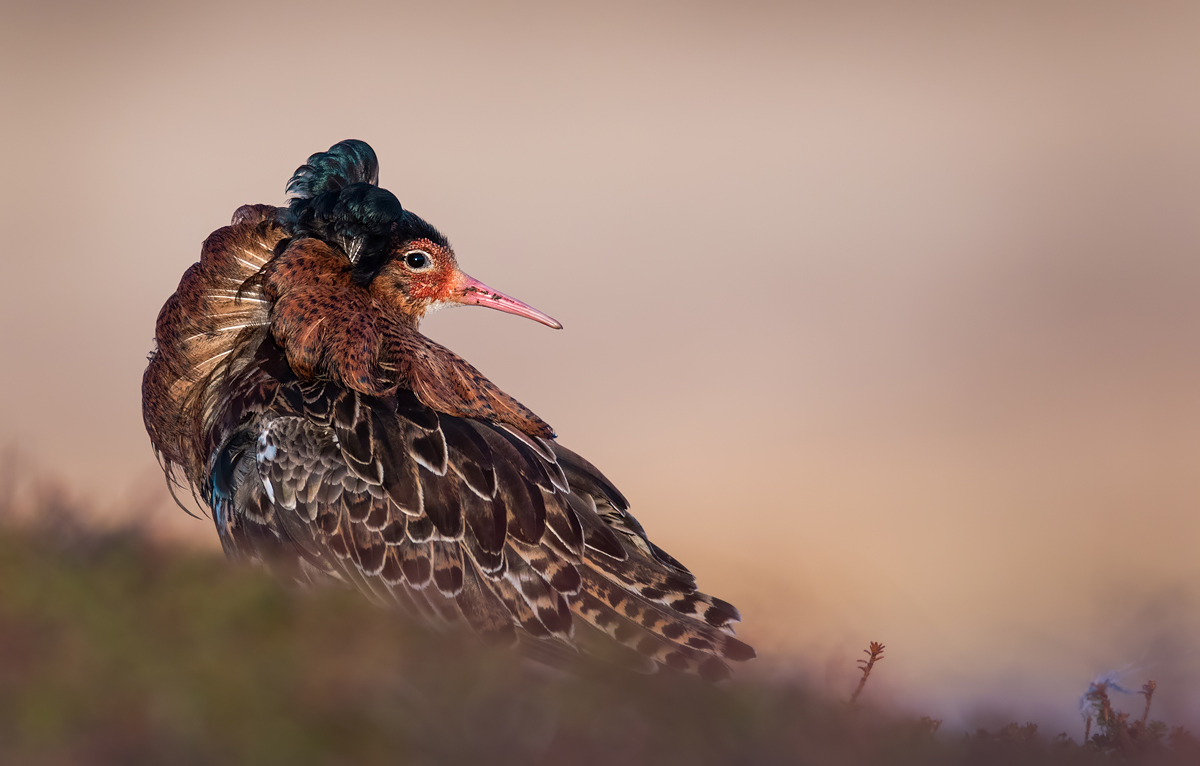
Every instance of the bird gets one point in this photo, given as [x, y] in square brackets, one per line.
[291, 391]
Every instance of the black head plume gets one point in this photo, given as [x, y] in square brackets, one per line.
[347, 162]
[335, 197]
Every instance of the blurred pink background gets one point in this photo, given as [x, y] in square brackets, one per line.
[884, 315]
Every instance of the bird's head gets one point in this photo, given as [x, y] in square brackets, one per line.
[401, 259]
[422, 275]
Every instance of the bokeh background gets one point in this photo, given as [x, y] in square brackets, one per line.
[884, 315]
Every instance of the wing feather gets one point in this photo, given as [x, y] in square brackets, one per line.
[442, 505]
[458, 520]
[447, 568]
[483, 610]
[416, 563]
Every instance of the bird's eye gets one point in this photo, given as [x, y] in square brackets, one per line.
[417, 260]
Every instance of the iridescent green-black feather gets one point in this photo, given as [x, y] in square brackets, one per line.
[335, 197]
[347, 162]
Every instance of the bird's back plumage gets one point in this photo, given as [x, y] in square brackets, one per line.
[334, 442]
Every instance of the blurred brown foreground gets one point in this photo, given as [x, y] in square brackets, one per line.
[120, 648]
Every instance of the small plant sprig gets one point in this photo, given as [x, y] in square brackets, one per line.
[1147, 692]
[1121, 733]
[1098, 694]
[928, 726]
[874, 653]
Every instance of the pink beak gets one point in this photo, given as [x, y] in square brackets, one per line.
[472, 292]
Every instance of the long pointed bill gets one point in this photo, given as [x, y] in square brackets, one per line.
[472, 292]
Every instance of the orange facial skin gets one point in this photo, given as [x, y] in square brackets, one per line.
[411, 291]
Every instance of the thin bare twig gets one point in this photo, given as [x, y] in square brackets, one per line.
[1147, 692]
[874, 653]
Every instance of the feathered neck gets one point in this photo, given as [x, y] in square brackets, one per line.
[332, 327]
[328, 325]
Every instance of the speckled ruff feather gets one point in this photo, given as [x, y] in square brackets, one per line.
[333, 441]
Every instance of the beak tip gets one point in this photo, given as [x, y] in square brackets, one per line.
[470, 291]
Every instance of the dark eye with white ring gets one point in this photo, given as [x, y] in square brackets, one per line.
[417, 260]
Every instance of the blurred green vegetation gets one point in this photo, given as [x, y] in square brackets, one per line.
[115, 650]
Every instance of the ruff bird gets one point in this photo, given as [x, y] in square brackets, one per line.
[292, 391]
